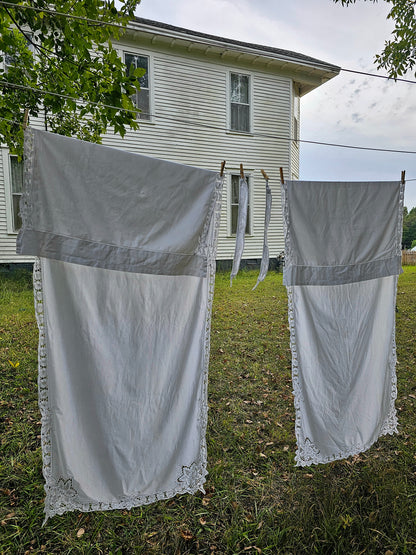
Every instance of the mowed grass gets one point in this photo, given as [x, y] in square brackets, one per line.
[256, 500]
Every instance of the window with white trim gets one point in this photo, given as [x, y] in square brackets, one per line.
[141, 98]
[16, 187]
[240, 102]
[234, 197]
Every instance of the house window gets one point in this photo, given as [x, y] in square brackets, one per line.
[9, 60]
[16, 186]
[240, 102]
[235, 193]
[141, 98]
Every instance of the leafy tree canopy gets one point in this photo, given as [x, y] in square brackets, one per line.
[70, 57]
[399, 54]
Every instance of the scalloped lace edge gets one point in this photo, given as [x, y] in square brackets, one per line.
[60, 494]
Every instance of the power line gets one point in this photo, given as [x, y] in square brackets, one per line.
[63, 14]
[118, 26]
[379, 76]
[21, 125]
[203, 125]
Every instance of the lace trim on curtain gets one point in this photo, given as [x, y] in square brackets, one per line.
[43, 383]
[61, 496]
[26, 201]
[211, 268]
[286, 226]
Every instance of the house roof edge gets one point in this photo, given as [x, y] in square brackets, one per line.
[284, 55]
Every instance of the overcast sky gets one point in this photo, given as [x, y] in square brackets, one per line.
[350, 109]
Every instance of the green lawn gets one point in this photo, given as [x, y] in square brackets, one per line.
[256, 500]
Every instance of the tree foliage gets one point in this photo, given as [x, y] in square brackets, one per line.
[409, 228]
[399, 54]
[70, 59]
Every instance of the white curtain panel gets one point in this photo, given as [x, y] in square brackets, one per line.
[123, 293]
[342, 258]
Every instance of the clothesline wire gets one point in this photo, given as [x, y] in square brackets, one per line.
[378, 76]
[118, 26]
[62, 14]
[202, 124]
[21, 124]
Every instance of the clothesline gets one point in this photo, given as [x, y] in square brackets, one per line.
[19, 123]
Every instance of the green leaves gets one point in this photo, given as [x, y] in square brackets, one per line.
[72, 58]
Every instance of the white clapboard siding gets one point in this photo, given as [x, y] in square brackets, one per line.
[191, 88]
[194, 89]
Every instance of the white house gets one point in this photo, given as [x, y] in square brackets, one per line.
[205, 99]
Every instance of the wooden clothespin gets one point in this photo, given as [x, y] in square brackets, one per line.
[403, 176]
[264, 174]
[222, 168]
[282, 179]
[25, 118]
[241, 171]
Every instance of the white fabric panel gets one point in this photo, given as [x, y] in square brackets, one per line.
[123, 296]
[342, 257]
[127, 406]
[95, 205]
[341, 232]
[344, 367]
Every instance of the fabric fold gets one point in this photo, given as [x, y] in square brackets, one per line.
[241, 227]
[123, 295]
[95, 205]
[264, 265]
[342, 259]
[341, 232]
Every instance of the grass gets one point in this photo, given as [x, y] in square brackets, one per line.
[256, 500]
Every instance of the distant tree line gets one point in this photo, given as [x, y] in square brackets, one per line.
[409, 228]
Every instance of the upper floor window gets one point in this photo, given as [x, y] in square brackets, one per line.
[235, 194]
[141, 98]
[16, 187]
[240, 102]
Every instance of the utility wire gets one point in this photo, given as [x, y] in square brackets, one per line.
[201, 124]
[63, 14]
[379, 76]
[118, 26]
[21, 125]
